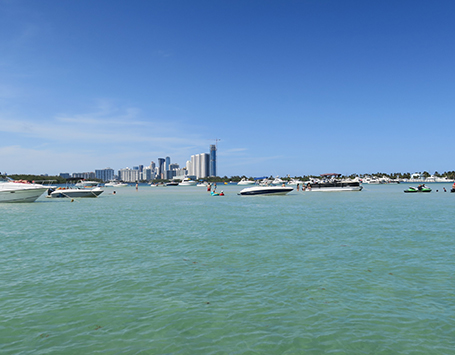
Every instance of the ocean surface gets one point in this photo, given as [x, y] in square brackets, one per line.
[176, 271]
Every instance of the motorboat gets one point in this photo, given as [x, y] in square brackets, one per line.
[86, 183]
[172, 183]
[277, 181]
[330, 182]
[188, 182]
[19, 190]
[245, 181]
[266, 190]
[74, 192]
[420, 188]
[114, 183]
[295, 182]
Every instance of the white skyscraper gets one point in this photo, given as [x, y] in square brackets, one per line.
[204, 163]
[197, 164]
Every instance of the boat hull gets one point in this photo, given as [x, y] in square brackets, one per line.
[339, 186]
[188, 183]
[76, 193]
[266, 190]
[23, 195]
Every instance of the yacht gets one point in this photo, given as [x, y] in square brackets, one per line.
[114, 183]
[188, 182]
[19, 191]
[295, 182]
[277, 181]
[330, 182]
[245, 181]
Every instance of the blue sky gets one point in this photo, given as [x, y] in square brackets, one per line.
[289, 87]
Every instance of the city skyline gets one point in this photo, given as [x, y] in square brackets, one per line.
[199, 166]
[289, 88]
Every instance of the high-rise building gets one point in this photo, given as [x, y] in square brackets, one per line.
[105, 174]
[212, 160]
[129, 175]
[86, 176]
[161, 170]
[204, 165]
[148, 173]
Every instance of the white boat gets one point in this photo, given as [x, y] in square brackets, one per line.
[245, 181]
[277, 181]
[86, 183]
[115, 184]
[19, 191]
[295, 182]
[331, 183]
[266, 190]
[172, 183]
[74, 192]
[188, 182]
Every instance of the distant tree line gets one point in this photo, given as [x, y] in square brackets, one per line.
[40, 178]
[236, 178]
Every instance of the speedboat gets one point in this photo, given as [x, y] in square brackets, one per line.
[19, 191]
[114, 183]
[420, 188]
[245, 181]
[266, 190]
[74, 192]
[188, 182]
[172, 183]
[86, 183]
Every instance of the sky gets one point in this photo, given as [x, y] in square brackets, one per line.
[287, 87]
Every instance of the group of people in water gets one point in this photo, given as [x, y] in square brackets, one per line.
[304, 187]
[213, 192]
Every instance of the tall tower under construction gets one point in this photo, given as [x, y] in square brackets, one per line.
[213, 160]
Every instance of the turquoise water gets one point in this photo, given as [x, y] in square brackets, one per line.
[176, 271]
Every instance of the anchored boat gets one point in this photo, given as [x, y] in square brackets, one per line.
[331, 182]
[19, 191]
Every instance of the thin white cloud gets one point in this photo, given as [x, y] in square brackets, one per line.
[105, 125]
[107, 136]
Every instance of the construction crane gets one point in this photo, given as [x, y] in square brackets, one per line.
[216, 142]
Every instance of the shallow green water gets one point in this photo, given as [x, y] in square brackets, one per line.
[176, 271]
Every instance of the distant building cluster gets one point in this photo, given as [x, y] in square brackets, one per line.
[202, 165]
[199, 166]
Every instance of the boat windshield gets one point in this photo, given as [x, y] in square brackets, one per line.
[5, 179]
